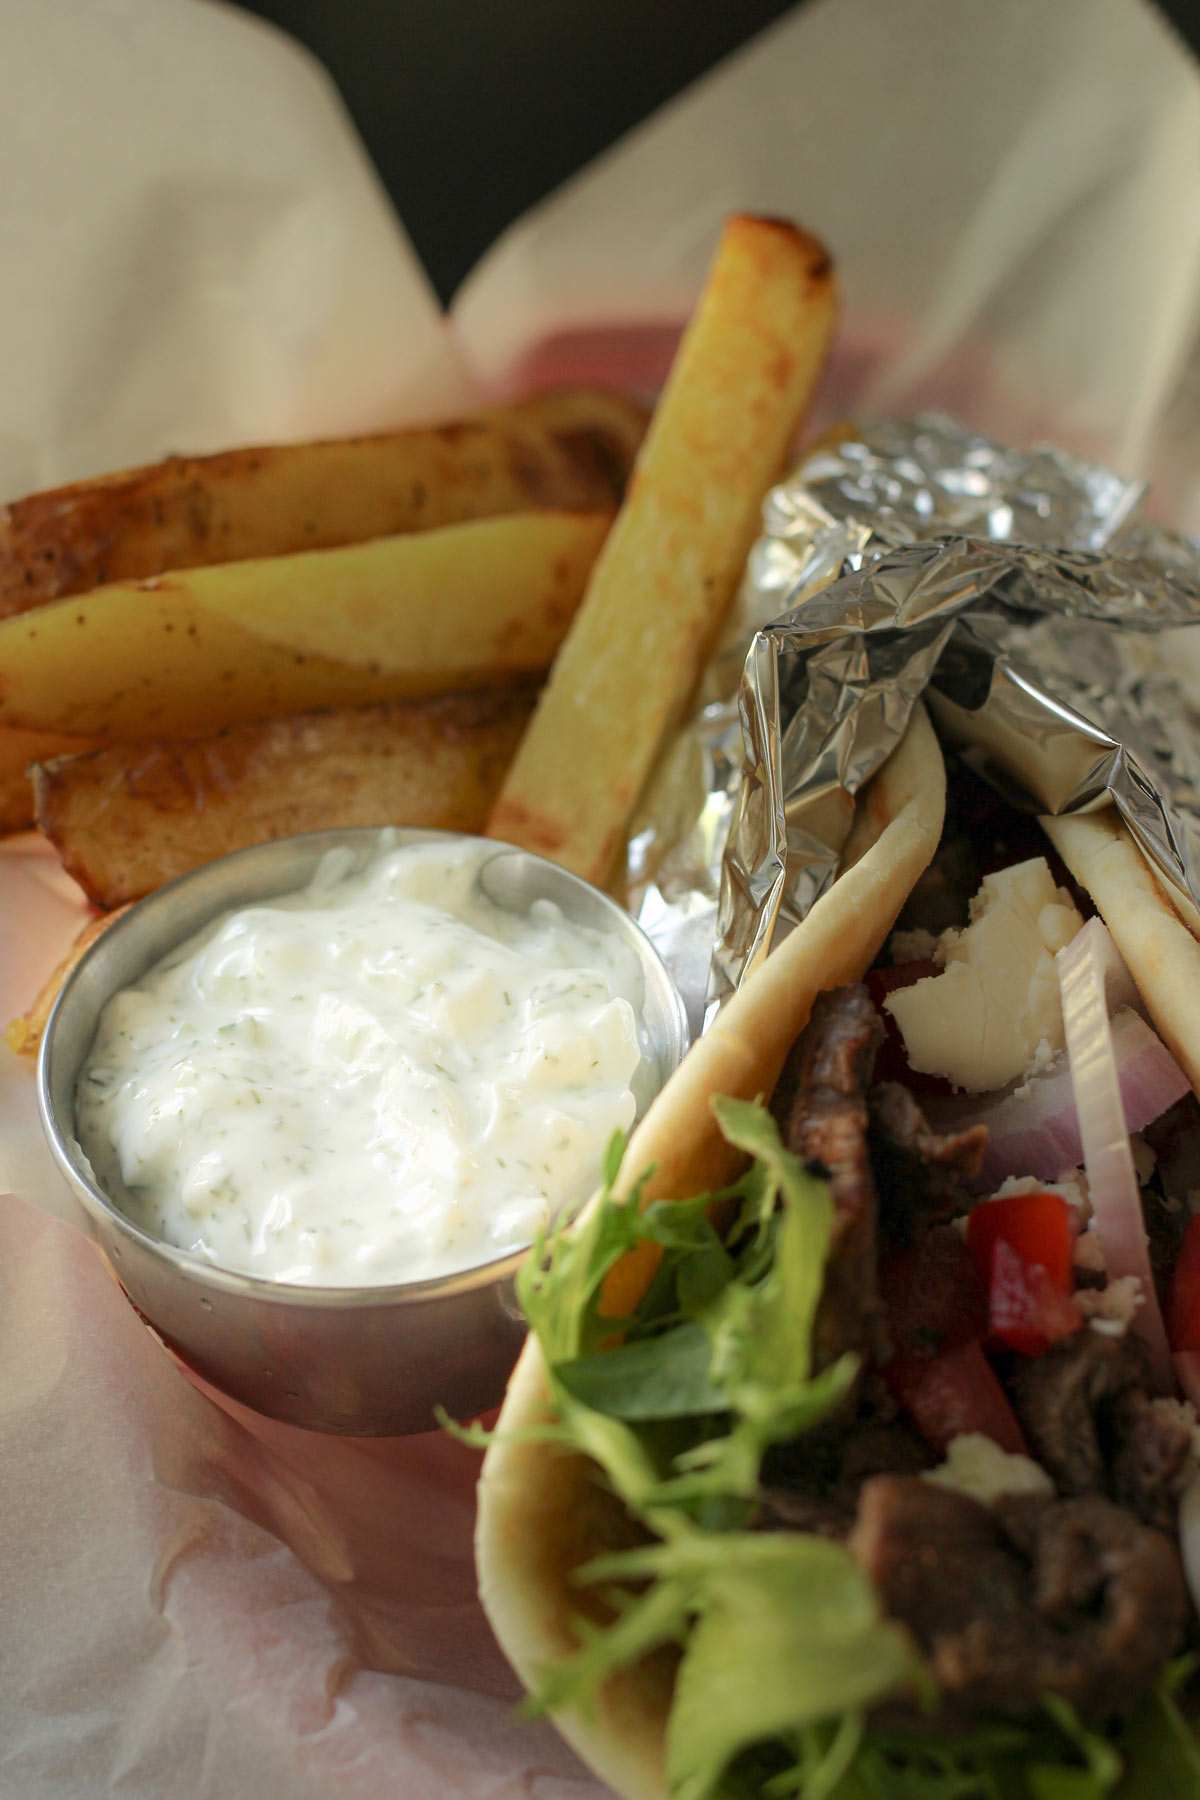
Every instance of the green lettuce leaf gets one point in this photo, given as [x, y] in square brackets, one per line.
[788, 1632]
[785, 1649]
[1154, 1757]
[664, 1377]
[723, 1338]
[1159, 1746]
[561, 1285]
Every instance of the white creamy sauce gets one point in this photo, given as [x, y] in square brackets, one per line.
[383, 1078]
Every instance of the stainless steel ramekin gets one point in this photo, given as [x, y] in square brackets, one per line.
[361, 1361]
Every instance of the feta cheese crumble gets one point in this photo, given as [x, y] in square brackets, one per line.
[995, 1009]
[978, 1467]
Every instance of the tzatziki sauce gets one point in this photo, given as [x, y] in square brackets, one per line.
[382, 1078]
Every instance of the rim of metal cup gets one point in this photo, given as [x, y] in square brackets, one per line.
[148, 922]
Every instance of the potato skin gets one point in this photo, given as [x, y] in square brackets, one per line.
[566, 450]
[480, 604]
[207, 591]
[127, 818]
[17, 750]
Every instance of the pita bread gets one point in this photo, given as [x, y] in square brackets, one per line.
[541, 1513]
[1160, 951]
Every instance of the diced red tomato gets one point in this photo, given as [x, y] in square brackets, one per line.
[937, 1313]
[1027, 1310]
[892, 1062]
[1039, 1226]
[932, 1295]
[955, 1392]
[1183, 1299]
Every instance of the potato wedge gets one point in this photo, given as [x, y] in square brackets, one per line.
[473, 605]
[24, 1034]
[17, 750]
[569, 451]
[743, 375]
[130, 817]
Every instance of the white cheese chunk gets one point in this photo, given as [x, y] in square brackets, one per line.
[1072, 1187]
[978, 1467]
[1111, 1310]
[995, 1009]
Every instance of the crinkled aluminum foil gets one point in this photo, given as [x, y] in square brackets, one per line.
[1025, 594]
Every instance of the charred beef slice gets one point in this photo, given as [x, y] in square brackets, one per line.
[1081, 1595]
[1068, 1597]
[920, 1173]
[1087, 1412]
[821, 1107]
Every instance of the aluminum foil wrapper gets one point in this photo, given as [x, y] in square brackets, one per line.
[1025, 595]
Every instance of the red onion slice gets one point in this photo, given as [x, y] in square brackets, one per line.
[1084, 970]
[1035, 1131]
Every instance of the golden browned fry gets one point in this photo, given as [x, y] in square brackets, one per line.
[17, 750]
[742, 378]
[433, 612]
[569, 450]
[127, 818]
[24, 1034]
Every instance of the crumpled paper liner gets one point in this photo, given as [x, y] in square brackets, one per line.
[218, 1604]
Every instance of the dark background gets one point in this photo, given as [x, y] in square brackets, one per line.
[474, 109]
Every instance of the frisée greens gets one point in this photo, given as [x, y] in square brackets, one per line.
[786, 1654]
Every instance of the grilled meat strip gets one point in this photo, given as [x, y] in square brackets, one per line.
[921, 1173]
[1086, 1409]
[1080, 1595]
[821, 1107]
[1030, 1597]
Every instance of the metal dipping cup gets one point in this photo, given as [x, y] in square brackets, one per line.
[358, 1361]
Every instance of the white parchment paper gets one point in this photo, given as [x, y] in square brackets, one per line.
[194, 252]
